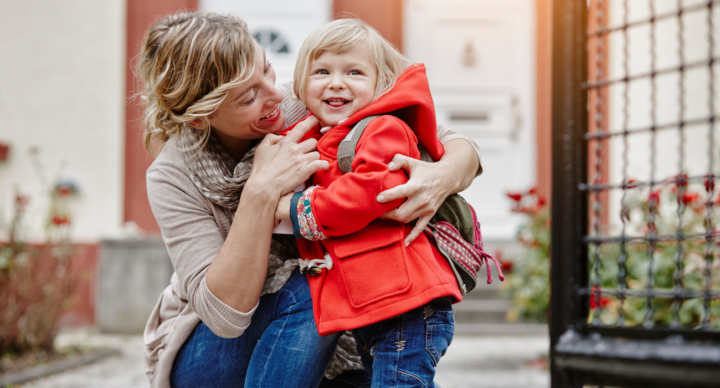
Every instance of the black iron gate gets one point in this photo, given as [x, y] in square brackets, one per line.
[635, 295]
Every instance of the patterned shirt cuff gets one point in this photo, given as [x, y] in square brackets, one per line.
[303, 218]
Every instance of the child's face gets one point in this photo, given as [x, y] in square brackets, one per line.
[341, 84]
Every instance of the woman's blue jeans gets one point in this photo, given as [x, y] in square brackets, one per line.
[280, 348]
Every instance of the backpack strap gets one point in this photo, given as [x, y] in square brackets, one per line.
[346, 149]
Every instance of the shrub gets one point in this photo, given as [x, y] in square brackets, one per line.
[679, 204]
[36, 281]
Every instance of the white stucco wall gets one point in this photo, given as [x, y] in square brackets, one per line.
[62, 89]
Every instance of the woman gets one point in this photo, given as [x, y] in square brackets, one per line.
[237, 311]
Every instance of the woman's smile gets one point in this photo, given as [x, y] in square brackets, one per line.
[273, 115]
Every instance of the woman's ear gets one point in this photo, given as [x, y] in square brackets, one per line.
[198, 123]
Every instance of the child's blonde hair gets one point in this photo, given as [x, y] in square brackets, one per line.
[341, 35]
[188, 63]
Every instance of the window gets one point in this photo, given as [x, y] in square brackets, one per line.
[272, 41]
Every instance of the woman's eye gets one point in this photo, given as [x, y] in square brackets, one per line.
[252, 99]
[268, 66]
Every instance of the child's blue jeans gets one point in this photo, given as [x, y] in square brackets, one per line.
[280, 348]
[403, 351]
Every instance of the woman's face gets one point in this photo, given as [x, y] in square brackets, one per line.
[251, 110]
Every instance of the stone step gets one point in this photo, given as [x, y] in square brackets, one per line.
[485, 291]
[481, 311]
[498, 329]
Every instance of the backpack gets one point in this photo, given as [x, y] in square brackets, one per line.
[454, 229]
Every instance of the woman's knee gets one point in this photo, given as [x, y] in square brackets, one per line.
[295, 295]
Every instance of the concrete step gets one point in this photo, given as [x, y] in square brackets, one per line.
[498, 329]
[482, 311]
[485, 291]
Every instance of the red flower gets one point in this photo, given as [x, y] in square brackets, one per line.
[598, 301]
[21, 201]
[654, 198]
[681, 180]
[688, 198]
[710, 184]
[630, 183]
[60, 220]
[517, 197]
[505, 265]
[541, 201]
[63, 191]
[533, 190]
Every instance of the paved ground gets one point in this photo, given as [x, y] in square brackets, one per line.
[487, 362]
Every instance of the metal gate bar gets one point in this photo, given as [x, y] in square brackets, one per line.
[584, 348]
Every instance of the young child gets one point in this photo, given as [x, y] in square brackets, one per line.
[396, 299]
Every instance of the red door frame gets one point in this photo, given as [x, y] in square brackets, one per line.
[140, 15]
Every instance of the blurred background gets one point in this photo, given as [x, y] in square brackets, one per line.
[72, 164]
[70, 120]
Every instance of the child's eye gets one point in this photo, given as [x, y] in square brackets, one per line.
[355, 72]
[323, 72]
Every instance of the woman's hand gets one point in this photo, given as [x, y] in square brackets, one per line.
[281, 163]
[430, 184]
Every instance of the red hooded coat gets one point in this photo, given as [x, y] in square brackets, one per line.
[374, 276]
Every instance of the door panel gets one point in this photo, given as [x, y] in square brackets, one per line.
[481, 67]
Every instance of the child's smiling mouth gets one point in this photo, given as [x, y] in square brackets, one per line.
[336, 102]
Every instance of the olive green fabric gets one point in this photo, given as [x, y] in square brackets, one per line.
[456, 211]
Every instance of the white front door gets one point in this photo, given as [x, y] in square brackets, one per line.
[280, 26]
[480, 57]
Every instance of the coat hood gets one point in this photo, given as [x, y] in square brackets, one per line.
[409, 100]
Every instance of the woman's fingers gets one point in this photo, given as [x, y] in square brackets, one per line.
[272, 139]
[402, 191]
[409, 211]
[307, 146]
[401, 161]
[301, 129]
[417, 229]
[315, 166]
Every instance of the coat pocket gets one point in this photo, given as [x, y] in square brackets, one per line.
[373, 264]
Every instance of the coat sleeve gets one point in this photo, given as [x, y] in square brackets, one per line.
[349, 203]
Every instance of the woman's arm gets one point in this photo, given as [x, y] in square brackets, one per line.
[222, 276]
[280, 164]
[431, 183]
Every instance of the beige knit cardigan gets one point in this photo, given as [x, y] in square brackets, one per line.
[194, 230]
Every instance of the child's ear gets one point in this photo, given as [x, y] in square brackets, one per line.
[198, 123]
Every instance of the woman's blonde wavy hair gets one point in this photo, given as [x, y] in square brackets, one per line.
[340, 36]
[188, 63]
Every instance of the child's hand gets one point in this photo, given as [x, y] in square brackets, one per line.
[283, 209]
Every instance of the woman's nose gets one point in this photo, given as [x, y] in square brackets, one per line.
[275, 96]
